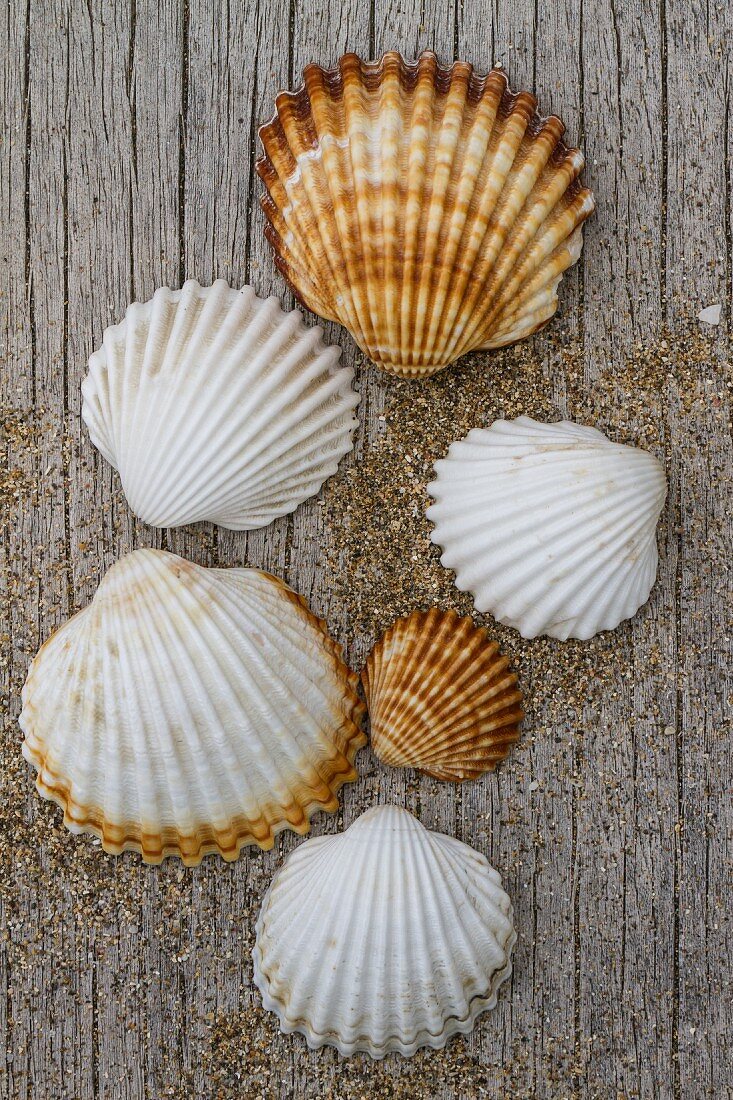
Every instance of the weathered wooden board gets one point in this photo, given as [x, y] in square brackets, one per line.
[128, 145]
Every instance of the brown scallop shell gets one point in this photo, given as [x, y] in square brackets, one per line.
[429, 210]
[441, 697]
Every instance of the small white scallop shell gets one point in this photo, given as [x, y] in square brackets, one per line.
[216, 405]
[190, 710]
[550, 527]
[384, 938]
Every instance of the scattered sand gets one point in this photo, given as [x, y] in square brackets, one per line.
[67, 907]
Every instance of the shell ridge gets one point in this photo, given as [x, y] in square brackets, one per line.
[156, 391]
[176, 697]
[477, 898]
[46, 748]
[447, 152]
[590, 570]
[267, 447]
[528, 221]
[415, 631]
[300, 948]
[349, 939]
[277, 168]
[194, 412]
[478, 229]
[509, 214]
[466, 927]
[302, 727]
[510, 589]
[421, 104]
[243, 669]
[164, 325]
[464, 226]
[332, 156]
[600, 511]
[94, 816]
[490, 234]
[95, 409]
[391, 144]
[358, 155]
[332, 652]
[301, 472]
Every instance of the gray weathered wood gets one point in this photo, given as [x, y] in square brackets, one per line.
[129, 135]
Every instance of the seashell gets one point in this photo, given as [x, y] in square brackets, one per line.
[190, 710]
[550, 527]
[441, 697]
[216, 405]
[429, 210]
[384, 938]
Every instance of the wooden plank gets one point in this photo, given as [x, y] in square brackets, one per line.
[39, 550]
[236, 61]
[21, 587]
[122, 123]
[697, 270]
[625, 864]
[524, 816]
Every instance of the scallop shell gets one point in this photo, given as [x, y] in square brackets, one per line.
[214, 404]
[190, 710]
[441, 697]
[385, 938]
[551, 527]
[428, 210]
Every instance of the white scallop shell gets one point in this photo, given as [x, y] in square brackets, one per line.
[214, 404]
[550, 527]
[190, 710]
[387, 937]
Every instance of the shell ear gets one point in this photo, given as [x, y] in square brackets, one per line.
[427, 209]
[441, 697]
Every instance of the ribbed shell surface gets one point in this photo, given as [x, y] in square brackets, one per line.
[216, 405]
[550, 527]
[190, 710]
[385, 938]
[429, 210]
[441, 697]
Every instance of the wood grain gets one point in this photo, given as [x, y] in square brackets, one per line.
[129, 137]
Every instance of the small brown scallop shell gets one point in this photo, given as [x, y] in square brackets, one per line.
[441, 697]
[429, 210]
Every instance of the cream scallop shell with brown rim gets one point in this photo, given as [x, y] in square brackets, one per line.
[214, 404]
[387, 937]
[429, 210]
[190, 710]
[550, 527]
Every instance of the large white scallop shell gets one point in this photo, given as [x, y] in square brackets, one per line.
[385, 938]
[551, 527]
[214, 404]
[190, 710]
